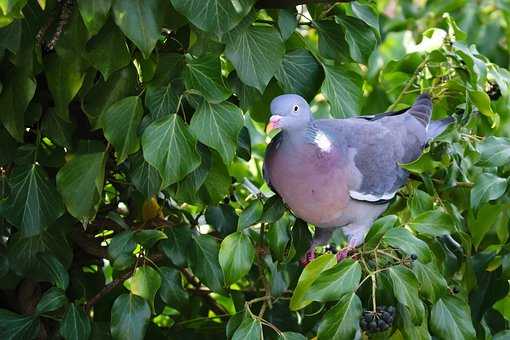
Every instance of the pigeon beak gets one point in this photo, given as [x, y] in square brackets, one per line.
[274, 123]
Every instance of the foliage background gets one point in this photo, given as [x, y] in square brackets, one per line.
[131, 141]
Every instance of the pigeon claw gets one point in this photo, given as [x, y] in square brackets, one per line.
[308, 257]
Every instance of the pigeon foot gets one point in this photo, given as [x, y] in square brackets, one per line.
[308, 257]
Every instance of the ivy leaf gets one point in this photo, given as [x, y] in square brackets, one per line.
[419, 202]
[248, 329]
[308, 277]
[94, 13]
[343, 91]
[360, 38]
[52, 300]
[287, 22]
[203, 74]
[223, 218]
[251, 215]
[10, 36]
[407, 327]
[341, 321]
[367, 13]
[149, 237]
[55, 270]
[488, 216]
[403, 239]
[218, 126]
[169, 147]
[120, 124]
[236, 256]
[450, 318]
[278, 237]
[300, 73]
[432, 284]
[177, 245]
[494, 151]
[214, 16]
[291, 336]
[432, 222]
[379, 228]
[483, 103]
[108, 51]
[14, 326]
[171, 291]
[75, 324]
[35, 203]
[57, 129]
[121, 243]
[161, 100]
[332, 44]
[256, 53]
[145, 282]
[203, 261]
[487, 187]
[80, 182]
[405, 288]
[140, 22]
[503, 306]
[333, 283]
[144, 176]
[130, 317]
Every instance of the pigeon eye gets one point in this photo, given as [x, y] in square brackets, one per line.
[296, 108]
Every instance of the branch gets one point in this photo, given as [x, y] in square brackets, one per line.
[292, 3]
[217, 309]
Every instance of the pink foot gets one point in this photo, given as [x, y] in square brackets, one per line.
[343, 253]
[308, 257]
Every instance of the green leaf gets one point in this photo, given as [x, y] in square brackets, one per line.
[17, 93]
[308, 277]
[140, 21]
[278, 237]
[403, 239]
[203, 75]
[432, 284]
[367, 13]
[251, 215]
[10, 36]
[419, 202]
[218, 126]
[341, 321]
[333, 283]
[94, 13]
[222, 218]
[161, 100]
[432, 222]
[236, 256]
[144, 176]
[108, 51]
[300, 73]
[214, 16]
[287, 22]
[450, 318]
[503, 306]
[405, 288]
[177, 245]
[80, 182]
[256, 53]
[145, 282]
[494, 151]
[149, 237]
[75, 324]
[203, 261]
[52, 300]
[120, 124]
[55, 270]
[291, 336]
[171, 291]
[57, 129]
[169, 147]
[18, 327]
[71, 43]
[483, 103]
[343, 91]
[250, 329]
[65, 78]
[332, 44]
[244, 144]
[360, 38]
[407, 327]
[218, 181]
[130, 317]
[488, 216]
[378, 229]
[487, 187]
[34, 203]
[274, 208]
[122, 243]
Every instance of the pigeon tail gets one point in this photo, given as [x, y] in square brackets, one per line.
[436, 127]
[422, 109]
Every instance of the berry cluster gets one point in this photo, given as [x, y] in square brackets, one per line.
[378, 321]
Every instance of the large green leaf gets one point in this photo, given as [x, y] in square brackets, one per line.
[218, 126]
[94, 13]
[145, 282]
[407, 327]
[250, 215]
[236, 256]
[503, 306]
[34, 203]
[450, 318]
[75, 324]
[343, 91]
[18, 327]
[332, 44]
[341, 321]
[360, 38]
[161, 100]
[489, 216]
[214, 16]
[300, 73]
[403, 239]
[54, 269]
[53, 299]
[333, 283]
[378, 229]
[57, 129]
[203, 75]
[14, 99]
[256, 53]
[144, 176]
[108, 51]
[249, 329]
[432, 222]
[203, 261]
[177, 245]
[278, 237]
[121, 243]
[494, 151]
[130, 317]
[149, 237]
[487, 187]
[432, 283]
[10, 36]
[309, 275]
[170, 148]
[120, 124]
[405, 288]
[80, 182]
[140, 21]
[171, 290]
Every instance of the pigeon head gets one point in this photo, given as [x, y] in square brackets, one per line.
[288, 112]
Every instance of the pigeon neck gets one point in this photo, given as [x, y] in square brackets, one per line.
[297, 134]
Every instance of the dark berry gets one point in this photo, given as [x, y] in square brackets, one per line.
[414, 257]
[494, 92]
[372, 325]
[385, 315]
[382, 325]
[455, 290]
[391, 310]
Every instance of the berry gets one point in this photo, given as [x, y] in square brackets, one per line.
[378, 321]
[414, 257]
[372, 326]
[391, 310]
[455, 290]
[494, 91]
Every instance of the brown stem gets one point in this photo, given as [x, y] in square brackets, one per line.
[291, 3]
[196, 283]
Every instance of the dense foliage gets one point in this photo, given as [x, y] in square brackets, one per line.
[132, 202]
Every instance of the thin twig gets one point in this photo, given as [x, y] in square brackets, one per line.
[409, 83]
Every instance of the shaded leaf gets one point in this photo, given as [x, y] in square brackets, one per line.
[223, 218]
[203, 261]
[130, 317]
[144, 176]
[171, 291]
[360, 38]
[145, 282]
[405, 288]
[236, 256]
[343, 91]
[248, 329]
[75, 324]
[494, 151]
[450, 318]
[52, 300]
[378, 229]
[203, 75]
[18, 327]
[341, 321]
[433, 222]
[177, 245]
[94, 13]
[487, 187]
[161, 100]
[56, 272]
[403, 239]
[432, 283]
[251, 215]
[149, 237]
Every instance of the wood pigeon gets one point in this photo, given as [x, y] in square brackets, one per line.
[342, 173]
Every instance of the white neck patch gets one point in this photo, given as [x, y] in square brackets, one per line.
[322, 141]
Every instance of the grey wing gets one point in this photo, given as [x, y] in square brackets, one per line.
[270, 151]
